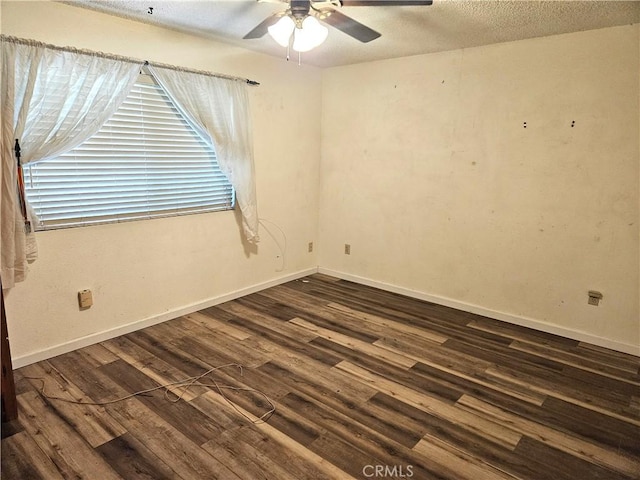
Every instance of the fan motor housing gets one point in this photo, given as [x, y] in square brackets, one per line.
[300, 8]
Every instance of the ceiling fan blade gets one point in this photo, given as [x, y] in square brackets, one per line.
[260, 30]
[351, 27]
[385, 3]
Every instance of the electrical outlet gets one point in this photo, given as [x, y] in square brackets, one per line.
[594, 298]
[85, 299]
[347, 249]
[310, 247]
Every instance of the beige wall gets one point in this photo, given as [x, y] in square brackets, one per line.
[151, 270]
[428, 172]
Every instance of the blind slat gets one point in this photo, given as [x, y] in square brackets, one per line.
[145, 162]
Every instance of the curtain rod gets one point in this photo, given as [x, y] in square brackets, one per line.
[6, 38]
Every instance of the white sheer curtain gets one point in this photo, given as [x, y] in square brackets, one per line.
[219, 109]
[52, 101]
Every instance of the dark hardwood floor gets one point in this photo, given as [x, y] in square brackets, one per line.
[366, 384]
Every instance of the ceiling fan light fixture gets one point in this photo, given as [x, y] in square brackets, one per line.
[310, 34]
[281, 31]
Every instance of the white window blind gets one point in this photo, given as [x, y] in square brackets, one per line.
[145, 162]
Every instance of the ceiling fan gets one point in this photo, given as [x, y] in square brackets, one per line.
[301, 20]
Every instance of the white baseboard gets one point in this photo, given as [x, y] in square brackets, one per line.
[147, 322]
[163, 317]
[505, 317]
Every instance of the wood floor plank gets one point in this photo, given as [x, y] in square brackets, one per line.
[226, 418]
[179, 355]
[367, 446]
[218, 326]
[516, 332]
[606, 356]
[329, 384]
[280, 334]
[347, 321]
[283, 327]
[432, 317]
[227, 350]
[184, 457]
[562, 465]
[73, 457]
[211, 354]
[294, 424]
[199, 428]
[297, 297]
[476, 380]
[579, 448]
[393, 358]
[625, 388]
[407, 377]
[386, 421]
[343, 454]
[478, 385]
[127, 350]
[402, 416]
[458, 463]
[134, 461]
[261, 304]
[23, 459]
[146, 362]
[365, 383]
[383, 326]
[247, 376]
[562, 388]
[438, 356]
[244, 460]
[94, 425]
[169, 331]
[376, 301]
[327, 468]
[292, 349]
[579, 362]
[453, 435]
[256, 455]
[615, 434]
[10, 428]
[86, 377]
[227, 379]
[491, 430]
[387, 424]
[504, 355]
[165, 357]
[97, 355]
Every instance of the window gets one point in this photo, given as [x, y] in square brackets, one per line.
[145, 162]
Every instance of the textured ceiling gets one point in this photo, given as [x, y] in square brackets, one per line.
[445, 25]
